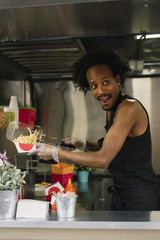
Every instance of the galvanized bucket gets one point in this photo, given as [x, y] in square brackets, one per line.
[66, 206]
[8, 203]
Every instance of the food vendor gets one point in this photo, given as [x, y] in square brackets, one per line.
[126, 148]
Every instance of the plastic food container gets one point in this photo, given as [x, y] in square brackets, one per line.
[24, 135]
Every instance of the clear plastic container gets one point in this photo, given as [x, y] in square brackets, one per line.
[24, 135]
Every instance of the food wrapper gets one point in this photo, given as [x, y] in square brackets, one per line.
[61, 173]
[23, 148]
[57, 187]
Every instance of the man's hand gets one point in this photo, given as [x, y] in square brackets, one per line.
[46, 152]
[76, 142]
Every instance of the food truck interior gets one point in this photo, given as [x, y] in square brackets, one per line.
[40, 40]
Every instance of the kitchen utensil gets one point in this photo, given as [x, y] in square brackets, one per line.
[63, 144]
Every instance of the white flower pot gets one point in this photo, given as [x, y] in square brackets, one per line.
[8, 203]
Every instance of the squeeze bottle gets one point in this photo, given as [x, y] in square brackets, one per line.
[69, 187]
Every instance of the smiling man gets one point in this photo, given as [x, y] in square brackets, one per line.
[126, 148]
[103, 85]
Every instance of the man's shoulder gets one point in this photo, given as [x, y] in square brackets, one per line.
[131, 108]
[129, 104]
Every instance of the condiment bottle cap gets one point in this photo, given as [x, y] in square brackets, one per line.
[69, 187]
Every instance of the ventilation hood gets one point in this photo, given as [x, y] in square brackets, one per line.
[42, 38]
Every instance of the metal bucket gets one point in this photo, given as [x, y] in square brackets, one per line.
[66, 206]
[8, 203]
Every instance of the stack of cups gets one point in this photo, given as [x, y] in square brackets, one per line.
[14, 106]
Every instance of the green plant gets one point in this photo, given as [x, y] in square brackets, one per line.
[11, 178]
[83, 168]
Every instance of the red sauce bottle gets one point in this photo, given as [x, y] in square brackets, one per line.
[69, 187]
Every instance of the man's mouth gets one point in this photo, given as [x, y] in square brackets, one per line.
[104, 98]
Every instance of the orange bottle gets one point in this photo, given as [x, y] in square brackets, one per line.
[69, 187]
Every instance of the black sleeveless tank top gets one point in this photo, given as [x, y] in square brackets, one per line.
[132, 170]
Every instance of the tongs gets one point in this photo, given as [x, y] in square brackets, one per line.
[63, 144]
[54, 141]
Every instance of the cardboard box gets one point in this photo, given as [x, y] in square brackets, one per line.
[27, 115]
[61, 173]
[25, 148]
[57, 187]
[28, 208]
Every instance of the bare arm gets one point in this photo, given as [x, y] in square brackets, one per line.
[125, 120]
[93, 146]
[130, 120]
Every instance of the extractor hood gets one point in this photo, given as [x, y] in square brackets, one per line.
[43, 38]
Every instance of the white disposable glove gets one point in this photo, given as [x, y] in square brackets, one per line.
[46, 152]
[80, 144]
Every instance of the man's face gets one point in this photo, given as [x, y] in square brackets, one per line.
[103, 86]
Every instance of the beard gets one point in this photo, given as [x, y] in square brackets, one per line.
[118, 100]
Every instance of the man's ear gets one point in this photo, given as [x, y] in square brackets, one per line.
[118, 79]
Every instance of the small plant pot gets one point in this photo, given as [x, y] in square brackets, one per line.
[8, 203]
[83, 176]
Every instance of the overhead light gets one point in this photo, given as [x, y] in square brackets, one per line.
[136, 65]
[147, 36]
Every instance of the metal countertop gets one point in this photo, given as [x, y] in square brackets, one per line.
[91, 220]
[88, 217]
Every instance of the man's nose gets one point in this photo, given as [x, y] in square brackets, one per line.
[101, 89]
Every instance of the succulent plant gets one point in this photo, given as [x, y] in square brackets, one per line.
[11, 177]
[83, 168]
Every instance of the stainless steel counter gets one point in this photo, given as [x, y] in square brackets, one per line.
[87, 224]
[91, 220]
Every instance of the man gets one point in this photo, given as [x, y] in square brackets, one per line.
[126, 147]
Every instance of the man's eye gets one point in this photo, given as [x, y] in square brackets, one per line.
[93, 86]
[106, 82]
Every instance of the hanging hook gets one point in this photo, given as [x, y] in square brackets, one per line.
[145, 3]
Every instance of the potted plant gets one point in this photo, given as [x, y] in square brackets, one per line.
[83, 172]
[11, 179]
